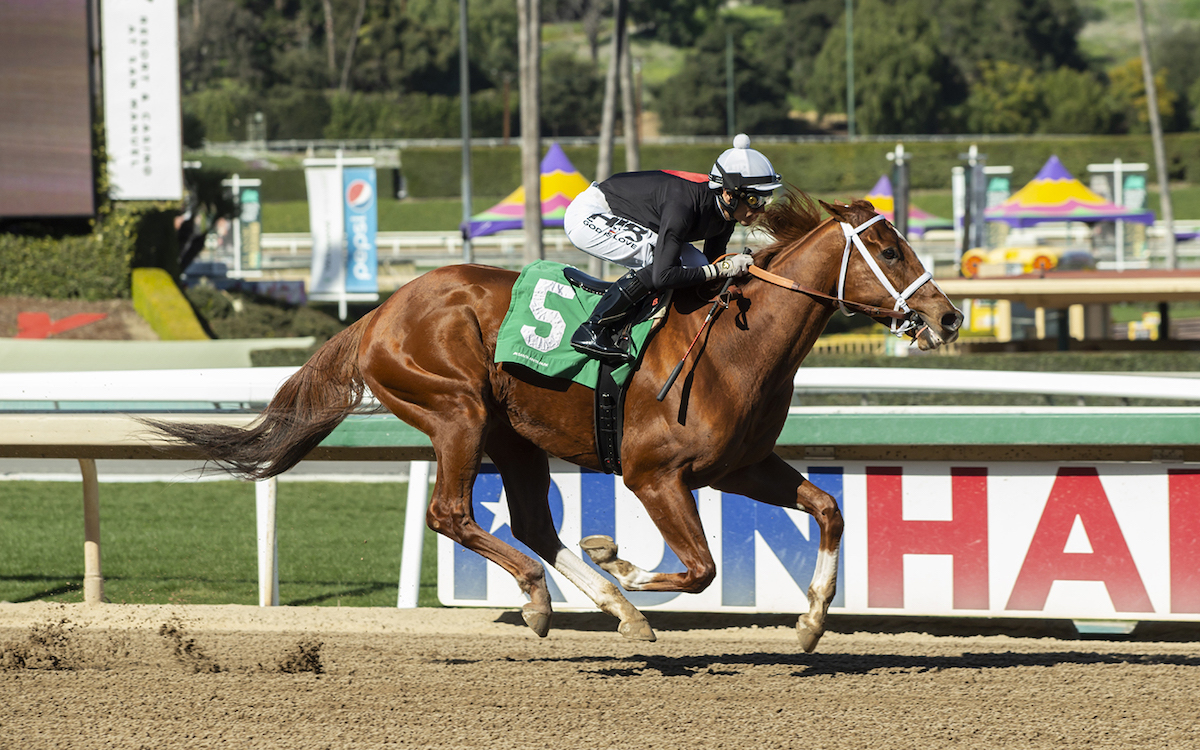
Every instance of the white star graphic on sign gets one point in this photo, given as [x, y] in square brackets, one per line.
[499, 509]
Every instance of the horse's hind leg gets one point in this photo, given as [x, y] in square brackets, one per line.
[452, 515]
[774, 482]
[457, 430]
[526, 474]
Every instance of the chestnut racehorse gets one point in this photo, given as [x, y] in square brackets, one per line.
[427, 354]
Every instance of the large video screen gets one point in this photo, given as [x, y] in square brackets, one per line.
[45, 120]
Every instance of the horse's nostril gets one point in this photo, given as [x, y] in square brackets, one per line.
[951, 321]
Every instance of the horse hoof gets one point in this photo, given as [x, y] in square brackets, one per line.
[537, 620]
[600, 548]
[809, 635]
[637, 630]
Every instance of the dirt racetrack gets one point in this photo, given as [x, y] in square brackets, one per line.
[73, 676]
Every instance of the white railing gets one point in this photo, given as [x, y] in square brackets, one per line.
[925, 380]
[20, 431]
[256, 385]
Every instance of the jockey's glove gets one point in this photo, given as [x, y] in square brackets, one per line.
[734, 265]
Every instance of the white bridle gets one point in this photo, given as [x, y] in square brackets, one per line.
[899, 326]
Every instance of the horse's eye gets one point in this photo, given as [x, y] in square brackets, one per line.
[890, 253]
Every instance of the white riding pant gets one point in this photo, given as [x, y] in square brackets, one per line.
[592, 227]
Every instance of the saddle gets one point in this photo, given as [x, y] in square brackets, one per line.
[610, 395]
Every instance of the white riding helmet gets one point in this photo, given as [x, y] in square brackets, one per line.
[741, 169]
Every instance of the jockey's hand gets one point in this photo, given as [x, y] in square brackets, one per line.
[734, 265]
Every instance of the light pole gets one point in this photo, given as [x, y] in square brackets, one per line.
[900, 188]
[729, 119]
[464, 89]
[850, 69]
[1156, 135]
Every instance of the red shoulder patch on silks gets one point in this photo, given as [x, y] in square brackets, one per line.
[689, 176]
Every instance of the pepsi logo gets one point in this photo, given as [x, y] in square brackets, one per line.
[359, 195]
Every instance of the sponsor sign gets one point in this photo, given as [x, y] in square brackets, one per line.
[1134, 194]
[249, 228]
[343, 216]
[362, 224]
[140, 46]
[1074, 541]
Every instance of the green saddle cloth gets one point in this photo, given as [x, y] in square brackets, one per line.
[545, 311]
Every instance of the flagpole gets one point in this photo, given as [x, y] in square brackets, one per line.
[464, 92]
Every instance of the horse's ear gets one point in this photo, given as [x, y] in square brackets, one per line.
[835, 209]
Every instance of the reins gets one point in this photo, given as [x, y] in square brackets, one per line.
[780, 281]
[901, 313]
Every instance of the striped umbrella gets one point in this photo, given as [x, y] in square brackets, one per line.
[1055, 195]
[561, 182]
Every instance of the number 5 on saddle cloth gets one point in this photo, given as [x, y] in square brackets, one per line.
[549, 301]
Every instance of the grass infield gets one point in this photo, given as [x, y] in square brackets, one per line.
[194, 543]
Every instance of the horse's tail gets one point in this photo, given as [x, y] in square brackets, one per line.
[306, 408]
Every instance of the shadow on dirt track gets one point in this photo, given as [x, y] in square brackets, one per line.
[1181, 632]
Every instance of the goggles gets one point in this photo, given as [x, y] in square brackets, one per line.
[755, 201]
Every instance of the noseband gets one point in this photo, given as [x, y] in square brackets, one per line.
[903, 317]
[899, 325]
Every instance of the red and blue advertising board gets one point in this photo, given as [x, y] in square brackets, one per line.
[1108, 541]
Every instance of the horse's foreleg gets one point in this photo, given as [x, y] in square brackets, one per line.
[526, 475]
[774, 482]
[673, 509]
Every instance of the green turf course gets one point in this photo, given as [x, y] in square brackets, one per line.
[194, 543]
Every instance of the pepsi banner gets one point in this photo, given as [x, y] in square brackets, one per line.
[362, 225]
[343, 218]
[1104, 541]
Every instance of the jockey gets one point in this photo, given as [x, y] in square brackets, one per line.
[646, 221]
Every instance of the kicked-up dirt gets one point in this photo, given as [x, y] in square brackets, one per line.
[73, 676]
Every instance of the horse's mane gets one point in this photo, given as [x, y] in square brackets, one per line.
[791, 218]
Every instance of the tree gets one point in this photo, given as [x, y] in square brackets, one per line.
[1127, 92]
[1075, 103]
[901, 76]
[693, 101]
[225, 42]
[1178, 54]
[529, 42]
[802, 34]
[1041, 34]
[589, 13]
[676, 22]
[1007, 98]
[571, 95]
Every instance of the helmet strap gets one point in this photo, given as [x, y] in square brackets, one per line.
[728, 206]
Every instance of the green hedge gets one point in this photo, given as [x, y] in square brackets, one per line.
[91, 266]
[829, 167]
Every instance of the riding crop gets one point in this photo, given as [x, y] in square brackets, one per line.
[712, 312]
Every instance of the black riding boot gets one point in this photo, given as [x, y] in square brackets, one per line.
[595, 336]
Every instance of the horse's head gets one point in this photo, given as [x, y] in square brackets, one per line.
[880, 269]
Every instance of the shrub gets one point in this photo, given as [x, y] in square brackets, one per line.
[158, 300]
[296, 114]
[92, 266]
[237, 315]
[222, 110]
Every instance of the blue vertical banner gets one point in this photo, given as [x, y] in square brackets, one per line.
[343, 212]
[362, 225]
